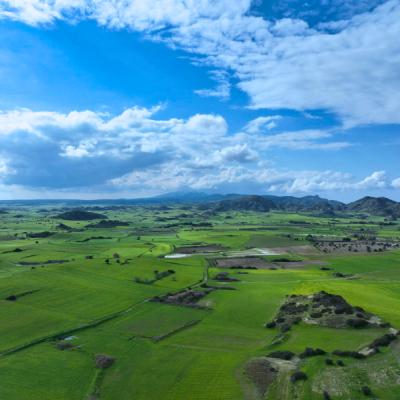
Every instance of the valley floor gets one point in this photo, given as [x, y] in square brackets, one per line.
[76, 292]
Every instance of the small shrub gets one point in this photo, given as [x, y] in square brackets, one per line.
[384, 340]
[298, 376]
[366, 391]
[103, 361]
[326, 395]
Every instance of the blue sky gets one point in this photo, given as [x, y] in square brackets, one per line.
[102, 99]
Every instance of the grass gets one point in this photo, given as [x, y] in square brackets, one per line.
[172, 352]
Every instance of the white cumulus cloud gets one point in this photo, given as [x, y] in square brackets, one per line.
[349, 67]
[396, 183]
[262, 123]
[89, 148]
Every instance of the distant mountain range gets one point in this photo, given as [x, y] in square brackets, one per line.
[380, 206]
[242, 203]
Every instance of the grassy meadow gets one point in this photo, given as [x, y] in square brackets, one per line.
[93, 288]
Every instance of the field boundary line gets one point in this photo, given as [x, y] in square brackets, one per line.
[89, 325]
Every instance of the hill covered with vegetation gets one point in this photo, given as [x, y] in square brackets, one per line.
[80, 215]
[376, 206]
[369, 205]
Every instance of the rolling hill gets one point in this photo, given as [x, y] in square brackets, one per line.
[80, 215]
[376, 206]
[379, 206]
[243, 203]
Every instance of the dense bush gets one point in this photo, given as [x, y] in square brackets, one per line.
[357, 323]
[298, 376]
[309, 352]
[326, 395]
[283, 355]
[366, 391]
[384, 340]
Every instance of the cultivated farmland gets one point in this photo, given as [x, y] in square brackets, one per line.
[254, 304]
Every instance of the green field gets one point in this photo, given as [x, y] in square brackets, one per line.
[93, 289]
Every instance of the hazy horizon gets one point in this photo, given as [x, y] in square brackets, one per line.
[178, 194]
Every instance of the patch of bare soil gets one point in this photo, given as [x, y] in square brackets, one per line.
[355, 246]
[243, 263]
[261, 372]
[260, 263]
[323, 309]
[303, 250]
[300, 264]
[211, 248]
[264, 374]
[187, 297]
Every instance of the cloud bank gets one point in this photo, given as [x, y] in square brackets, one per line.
[139, 153]
[348, 67]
